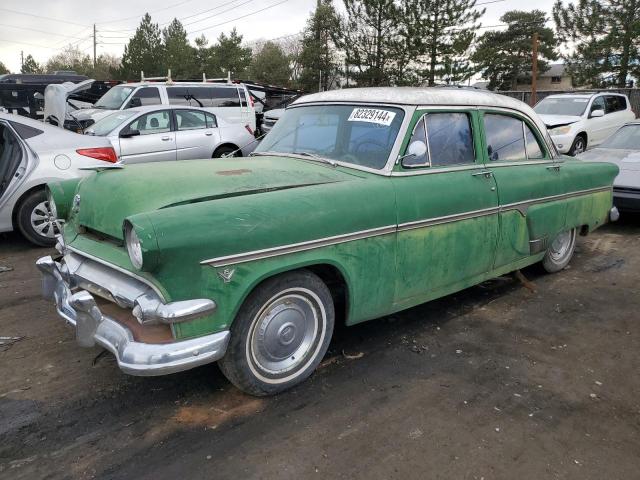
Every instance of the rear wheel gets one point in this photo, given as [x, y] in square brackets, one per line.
[226, 151]
[579, 145]
[560, 251]
[36, 221]
[280, 334]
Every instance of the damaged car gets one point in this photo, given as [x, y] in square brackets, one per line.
[578, 121]
[359, 203]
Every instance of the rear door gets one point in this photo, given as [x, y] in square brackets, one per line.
[616, 112]
[529, 181]
[13, 160]
[156, 141]
[447, 208]
[196, 134]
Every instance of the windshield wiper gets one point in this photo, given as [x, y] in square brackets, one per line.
[309, 155]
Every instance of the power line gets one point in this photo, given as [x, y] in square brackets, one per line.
[39, 31]
[45, 18]
[140, 15]
[28, 44]
[238, 18]
[219, 13]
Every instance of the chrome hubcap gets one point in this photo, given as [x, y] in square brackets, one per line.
[561, 245]
[285, 331]
[43, 221]
[580, 146]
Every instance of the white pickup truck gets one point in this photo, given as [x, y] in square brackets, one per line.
[577, 121]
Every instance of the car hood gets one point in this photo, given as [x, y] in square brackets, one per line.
[56, 96]
[552, 121]
[628, 161]
[91, 113]
[109, 196]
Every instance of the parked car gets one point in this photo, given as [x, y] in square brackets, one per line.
[229, 101]
[623, 149]
[359, 203]
[270, 118]
[578, 121]
[160, 133]
[33, 153]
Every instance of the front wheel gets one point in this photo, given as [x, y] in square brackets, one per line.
[579, 145]
[280, 334]
[560, 251]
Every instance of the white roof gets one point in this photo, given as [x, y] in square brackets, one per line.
[425, 96]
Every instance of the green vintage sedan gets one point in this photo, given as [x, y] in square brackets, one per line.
[359, 203]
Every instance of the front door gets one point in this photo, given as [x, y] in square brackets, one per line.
[530, 185]
[156, 141]
[447, 208]
[599, 128]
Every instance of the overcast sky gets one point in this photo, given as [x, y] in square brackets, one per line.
[71, 21]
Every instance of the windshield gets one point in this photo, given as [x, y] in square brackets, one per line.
[360, 135]
[110, 122]
[562, 106]
[114, 98]
[627, 138]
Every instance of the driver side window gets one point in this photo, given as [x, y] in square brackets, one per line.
[598, 104]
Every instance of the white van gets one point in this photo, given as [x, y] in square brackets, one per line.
[228, 100]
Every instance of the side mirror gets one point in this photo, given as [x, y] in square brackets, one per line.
[128, 133]
[597, 113]
[415, 150]
[134, 103]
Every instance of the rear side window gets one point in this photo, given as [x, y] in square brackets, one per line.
[211, 120]
[449, 140]
[205, 96]
[509, 138]
[145, 96]
[25, 131]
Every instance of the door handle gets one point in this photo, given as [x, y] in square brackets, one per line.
[208, 134]
[483, 173]
[166, 139]
[554, 167]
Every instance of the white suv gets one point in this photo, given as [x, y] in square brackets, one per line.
[577, 121]
[230, 101]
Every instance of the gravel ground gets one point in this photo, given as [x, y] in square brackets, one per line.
[505, 380]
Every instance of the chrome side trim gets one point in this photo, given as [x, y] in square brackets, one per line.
[119, 269]
[297, 247]
[521, 206]
[447, 219]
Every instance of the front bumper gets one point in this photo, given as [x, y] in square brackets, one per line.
[80, 309]
[563, 142]
[627, 199]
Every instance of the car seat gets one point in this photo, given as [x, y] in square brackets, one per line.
[154, 123]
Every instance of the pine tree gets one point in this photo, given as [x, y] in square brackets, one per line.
[144, 51]
[504, 56]
[319, 65]
[30, 66]
[369, 37]
[271, 65]
[179, 55]
[444, 31]
[228, 55]
[3, 69]
[605, 36]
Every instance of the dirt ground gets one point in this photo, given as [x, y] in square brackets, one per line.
[501, 381]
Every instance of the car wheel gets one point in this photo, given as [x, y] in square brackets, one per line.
[560, 251]
[226, 151]
[280, 334]
[36, 221]
[579, 145]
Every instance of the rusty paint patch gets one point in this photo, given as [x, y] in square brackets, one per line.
[240, 171]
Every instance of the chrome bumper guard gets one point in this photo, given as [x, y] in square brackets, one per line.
[135, 358]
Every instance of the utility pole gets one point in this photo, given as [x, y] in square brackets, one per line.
[534, 69]
[318, 44]
[94, 45]
[21, 59]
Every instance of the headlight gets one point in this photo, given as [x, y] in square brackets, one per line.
[560, 130]
[134, 248]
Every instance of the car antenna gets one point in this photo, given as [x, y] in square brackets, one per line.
[233, 154]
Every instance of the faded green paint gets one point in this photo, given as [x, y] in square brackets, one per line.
[187, 212]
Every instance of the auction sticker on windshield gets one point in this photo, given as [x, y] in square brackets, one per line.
[372, 115]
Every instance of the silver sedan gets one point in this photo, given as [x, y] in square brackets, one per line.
[33, 153]
[162, 133]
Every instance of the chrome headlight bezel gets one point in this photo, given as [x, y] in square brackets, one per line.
[134, 246]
